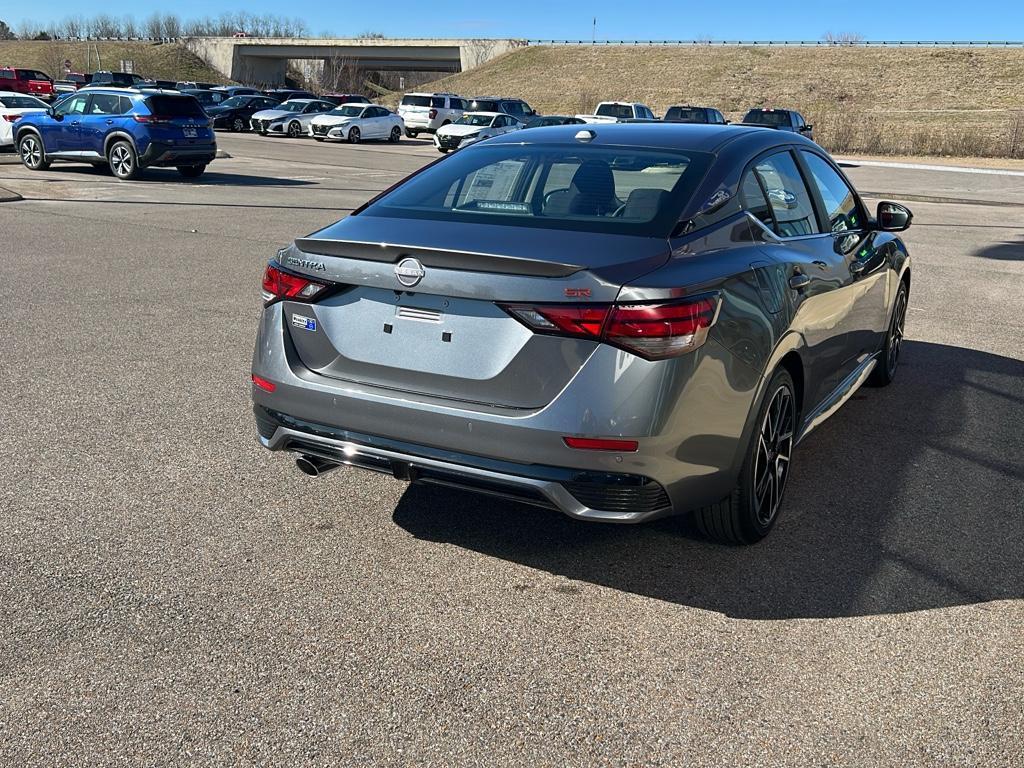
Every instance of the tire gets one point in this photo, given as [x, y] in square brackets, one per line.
[396, 135]
[749, 512]
[294, 129]
[889, 354]
[32, 153]
[319, 138]
[238, 125]
[191, 171]
[124, 162]
[442, 150]
[353, 135]
[410, 134]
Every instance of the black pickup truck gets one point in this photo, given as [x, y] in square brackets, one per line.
[780, 119]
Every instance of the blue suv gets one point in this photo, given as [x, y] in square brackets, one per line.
[127, 129]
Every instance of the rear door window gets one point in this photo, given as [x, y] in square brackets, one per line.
[105, 104]
[787, 195]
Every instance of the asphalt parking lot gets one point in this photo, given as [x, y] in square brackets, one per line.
[170, 593]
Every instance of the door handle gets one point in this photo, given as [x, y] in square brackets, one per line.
[74, 122]
[110, 122]
[799, 281]
[857, 268]
[820, 264]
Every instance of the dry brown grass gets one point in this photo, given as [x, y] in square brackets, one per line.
[907, 101]
[168, 61]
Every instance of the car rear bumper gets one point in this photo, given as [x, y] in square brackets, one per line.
[608, 497]
[163, 155]
[415, 122]
[688, 416]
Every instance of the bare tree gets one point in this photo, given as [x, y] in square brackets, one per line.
[171, 25]
[128, 27]
[843, 38]
[6, 33]
[154, 26]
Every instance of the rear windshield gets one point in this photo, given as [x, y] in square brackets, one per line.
[416, 101]
[175, 106]
[21, 102]
[685, 115]
[767, 118]
[486, 105]
[615, 110]
[595, 189]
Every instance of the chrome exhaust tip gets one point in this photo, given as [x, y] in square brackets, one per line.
[314, 466]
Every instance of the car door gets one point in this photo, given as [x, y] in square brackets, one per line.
[64, 134]
[843, 215]
[822, 295]
[373, 117]
[102, 115]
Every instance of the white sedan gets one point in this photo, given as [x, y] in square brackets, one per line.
[13, 106]
[473, 127]
[355, 122]
[290, 118]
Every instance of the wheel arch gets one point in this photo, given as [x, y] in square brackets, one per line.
[114, 136]
[20, 133]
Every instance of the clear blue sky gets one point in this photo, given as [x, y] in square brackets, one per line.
[651, 19]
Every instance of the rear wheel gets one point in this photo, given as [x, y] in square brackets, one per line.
[889, 355]
[30, 148]
[124, 163]
[294, 129]
[238, 125]
[411, 134]
[191, 171]
[396, 135]
[353, 135]
[748, 513]
[442, 150]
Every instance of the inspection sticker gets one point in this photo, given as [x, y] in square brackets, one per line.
[304, 322]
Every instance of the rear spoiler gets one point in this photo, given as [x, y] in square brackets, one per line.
[436, 257]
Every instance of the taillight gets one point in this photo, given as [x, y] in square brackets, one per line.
[278, 285]
[432, 114]
[12, 118]
[151, 119]
[266, 386]
[651, 331]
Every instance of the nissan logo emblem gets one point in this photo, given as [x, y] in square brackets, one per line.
[409, 272]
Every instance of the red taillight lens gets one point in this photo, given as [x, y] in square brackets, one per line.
[266, 386]
[432, 114]
[278, 284]
[651, 331]
[151, 119]
[655, 331]
[601, 444]
[12, 118]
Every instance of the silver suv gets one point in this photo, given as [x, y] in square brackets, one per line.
[426, 112]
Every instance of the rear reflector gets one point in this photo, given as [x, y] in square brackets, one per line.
[651, 331]
[278, 284]
[266, 386]
[601, 444]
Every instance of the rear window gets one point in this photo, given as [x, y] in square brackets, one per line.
[686, 115]
[615, 110]
[485, 105]
[175, 106]
[21, 102]
[767, 118]
[597, 189]
[416, 101]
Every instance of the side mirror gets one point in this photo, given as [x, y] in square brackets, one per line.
[892, 217]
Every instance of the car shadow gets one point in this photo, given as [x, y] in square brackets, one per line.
[909, 498]
[1004, 251]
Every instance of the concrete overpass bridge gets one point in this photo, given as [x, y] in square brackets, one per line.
[265, 60]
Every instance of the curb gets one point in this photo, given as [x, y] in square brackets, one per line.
[9, 196]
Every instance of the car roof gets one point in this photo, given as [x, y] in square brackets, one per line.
[695, 137]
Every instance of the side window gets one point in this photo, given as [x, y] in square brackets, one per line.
[798, 120]
[437, 102]
[752, 199]
[104, 104]
[787, 195]
[73, 106]
[840, 203]
[6, 74]
[124, 105]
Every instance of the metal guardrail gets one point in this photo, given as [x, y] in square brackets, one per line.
[798, 43]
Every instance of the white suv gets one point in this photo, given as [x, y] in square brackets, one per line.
[426, 112]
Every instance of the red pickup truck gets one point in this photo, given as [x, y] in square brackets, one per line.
[30, 81]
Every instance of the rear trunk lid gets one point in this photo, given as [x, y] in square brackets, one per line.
[427, 319]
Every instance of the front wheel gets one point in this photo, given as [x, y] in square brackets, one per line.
[238, 125]
[124, 163]
[747, 514]
[33, 156]
[353, 136]
[396, 135]
[191, 171]
[294, 129]
[889, 355]
[442, 150]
